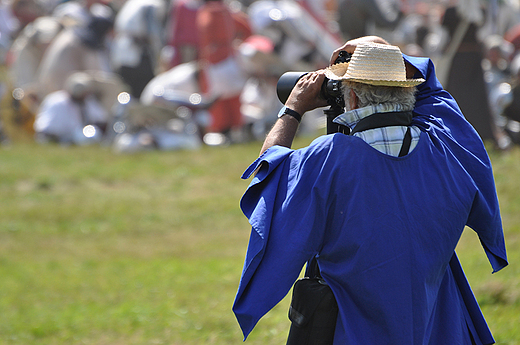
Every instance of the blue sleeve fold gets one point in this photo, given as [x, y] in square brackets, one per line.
[285, 209]
[437, 113]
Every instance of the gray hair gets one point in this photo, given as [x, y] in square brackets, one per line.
[404, 97]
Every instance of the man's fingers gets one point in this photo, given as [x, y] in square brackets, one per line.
[306, 94]
[334, 56]
[311, 79]
[351, 45]
[348, 47]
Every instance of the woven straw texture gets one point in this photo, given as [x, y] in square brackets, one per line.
[375, 64]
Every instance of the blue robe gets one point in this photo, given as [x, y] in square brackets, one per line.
[384, 228]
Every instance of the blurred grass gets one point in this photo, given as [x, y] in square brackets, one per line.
[100, 248]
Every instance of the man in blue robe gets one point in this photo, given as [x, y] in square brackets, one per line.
[382, 222]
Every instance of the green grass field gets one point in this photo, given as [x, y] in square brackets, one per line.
[100, 248]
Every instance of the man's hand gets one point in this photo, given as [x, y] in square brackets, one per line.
[305, 95]
[351, 45]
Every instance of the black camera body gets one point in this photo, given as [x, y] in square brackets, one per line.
[330, 91]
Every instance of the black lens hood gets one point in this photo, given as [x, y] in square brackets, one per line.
[286, 83]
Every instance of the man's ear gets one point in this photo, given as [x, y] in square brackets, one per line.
[353, 100]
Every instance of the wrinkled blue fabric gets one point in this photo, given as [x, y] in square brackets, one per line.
[384, 228]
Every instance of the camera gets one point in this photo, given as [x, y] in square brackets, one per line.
[330, 89]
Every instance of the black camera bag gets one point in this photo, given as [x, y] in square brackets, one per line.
[313, 311]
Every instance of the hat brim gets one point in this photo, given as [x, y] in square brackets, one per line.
[339, 72]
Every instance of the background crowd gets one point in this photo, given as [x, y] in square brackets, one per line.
[170, 74]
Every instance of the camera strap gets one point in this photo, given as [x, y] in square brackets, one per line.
[378, 120]
[395, 118]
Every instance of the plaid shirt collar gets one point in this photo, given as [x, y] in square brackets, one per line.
[352, 117]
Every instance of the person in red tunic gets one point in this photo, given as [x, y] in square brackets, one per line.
[217, 28]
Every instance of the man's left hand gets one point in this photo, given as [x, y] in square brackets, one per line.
[305, 95]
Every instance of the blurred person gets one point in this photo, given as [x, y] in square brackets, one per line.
[75, 49]
[497, 55]
[243, 28]
[259, 101]
[510, 102]
[221, 75]
[26, 11]
[182, 33]
[380, 205]
[72, 115]
[501, 16]
[497, 75]
[178, 89]
[300, 40]
[135, 50]
[180, 79]
[28, 49]
[78, 12]
[322, 10]
[466, 76]
[19, 108]
[513, 36]
[21, 98]
[358, 17]
[8, 28]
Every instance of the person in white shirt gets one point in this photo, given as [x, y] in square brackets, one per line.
[72, 115]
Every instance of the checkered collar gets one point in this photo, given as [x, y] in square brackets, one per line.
[352, 117]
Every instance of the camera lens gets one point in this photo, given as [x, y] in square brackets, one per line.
[286, 83]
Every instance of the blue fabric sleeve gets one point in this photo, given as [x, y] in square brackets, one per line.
[478, 326]
[285, 232]
[437, 113]
[272, 157]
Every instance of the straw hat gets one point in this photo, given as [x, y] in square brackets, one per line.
[374, 64]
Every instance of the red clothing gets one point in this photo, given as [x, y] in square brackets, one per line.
[216, 32]
[183, 28]
[217, 29]
[242, 26]
[513, 36]
[225, 115]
